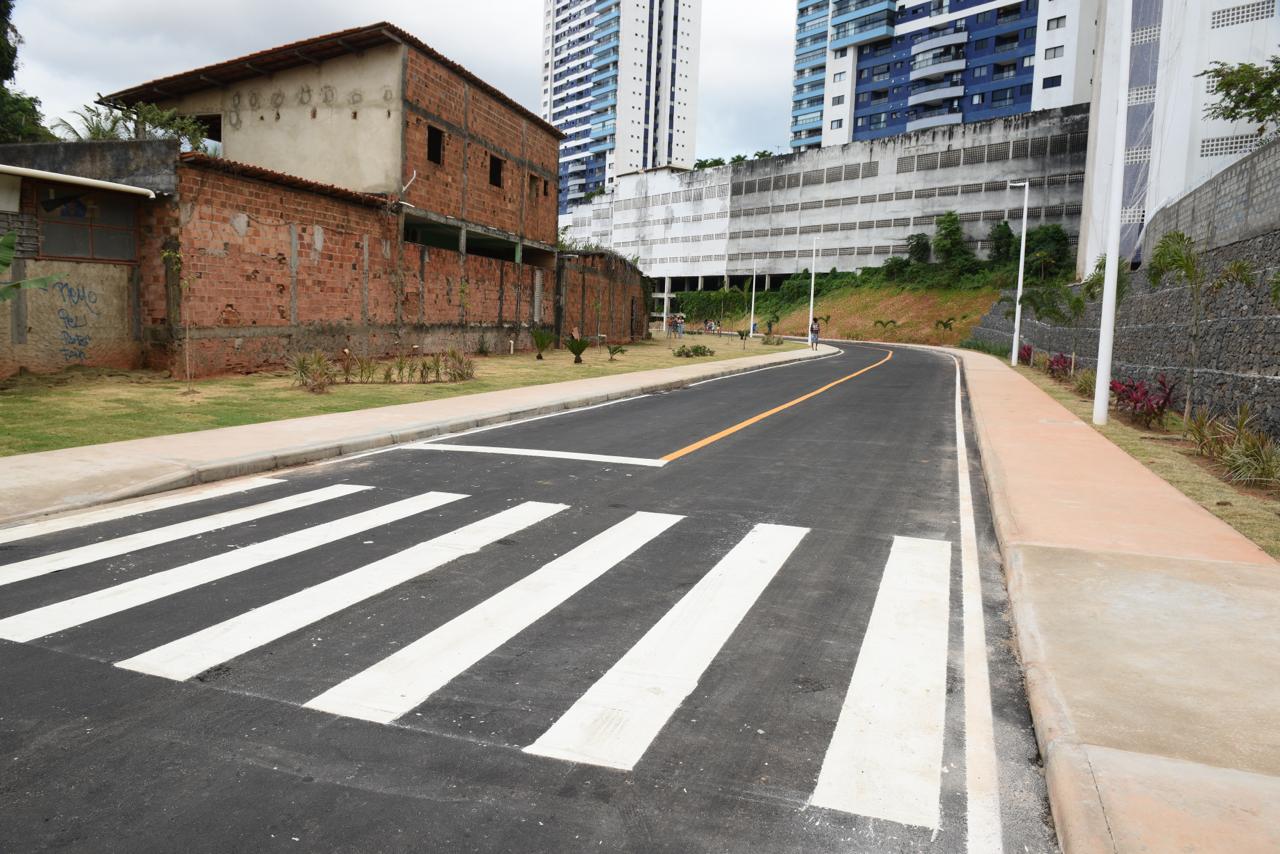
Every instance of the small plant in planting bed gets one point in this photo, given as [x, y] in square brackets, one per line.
[577, 346]
[616, 350]
[1059, 366]
[1145, 404]
[684, 351]
[1024, 354]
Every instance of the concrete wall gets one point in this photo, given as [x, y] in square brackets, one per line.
[146, 163]
[336, 123]
[602, 295]
[1233, 217]
[86, 317]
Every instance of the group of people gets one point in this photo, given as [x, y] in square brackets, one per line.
[675, 328]
[675, 325]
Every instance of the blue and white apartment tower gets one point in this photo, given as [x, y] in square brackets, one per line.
[866, 69]
[620, 79]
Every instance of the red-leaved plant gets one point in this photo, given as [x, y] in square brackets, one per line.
[1024, 354]
[1059, 366]
[1145, 404]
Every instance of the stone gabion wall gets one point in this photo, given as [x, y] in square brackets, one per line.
[1239, 339]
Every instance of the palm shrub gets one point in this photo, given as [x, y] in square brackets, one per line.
[1175, 256]
[459, 366]
[365, 369]
[577, 346]
[542, 338]
[616, 350]
[1084, 382]
[300, 367]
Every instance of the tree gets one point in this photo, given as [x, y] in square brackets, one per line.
[20, 119]
[1175, 256]
[1053, 242]
[919, 248]
[895, 268]
[708, 162]
[763, 154]
[738, 158]
[948, 241]
[1245, 92]
[1003, 241]
[95, 123]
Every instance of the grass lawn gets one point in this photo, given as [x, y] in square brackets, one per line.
[86, 406]
[1254, 513]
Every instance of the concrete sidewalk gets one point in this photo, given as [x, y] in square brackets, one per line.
[72, 478]
[1149, 631]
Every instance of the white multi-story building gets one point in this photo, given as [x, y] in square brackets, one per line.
[1171, 146]
[620, 79]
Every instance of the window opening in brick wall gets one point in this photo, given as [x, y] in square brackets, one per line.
[495, 170]
[80, 223]
[435, 144]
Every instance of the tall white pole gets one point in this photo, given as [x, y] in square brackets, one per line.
[813, 282]
[1107, 325]
[1022, 271]
[751, 324]
[666, 303]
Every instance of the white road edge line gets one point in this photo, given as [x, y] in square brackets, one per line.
[122, 510]
[76, 611]
[534, 452]
[45, 564]
[885, 756]
[501, 424]
[616, 720]
[407, 677]
[197, 652]
[982, 780]
[769, 368]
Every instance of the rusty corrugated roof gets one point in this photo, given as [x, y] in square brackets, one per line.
[307, 51]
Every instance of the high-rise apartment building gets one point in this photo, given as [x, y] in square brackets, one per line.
[866, 69]
[620, 79]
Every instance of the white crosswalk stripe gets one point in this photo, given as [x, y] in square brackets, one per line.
[401, 681]
[139, 591]
[132, 508]
[37, 566]
[885, 758]
[195, 653]
[620, 715]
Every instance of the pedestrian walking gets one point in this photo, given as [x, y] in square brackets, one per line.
[813, 334]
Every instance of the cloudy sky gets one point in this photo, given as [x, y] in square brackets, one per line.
[74, 49]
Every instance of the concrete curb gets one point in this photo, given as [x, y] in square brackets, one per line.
[257, 463]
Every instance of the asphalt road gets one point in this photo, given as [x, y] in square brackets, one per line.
[629, 628]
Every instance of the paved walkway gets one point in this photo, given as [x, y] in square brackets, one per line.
[55, 481]
[1149, 631]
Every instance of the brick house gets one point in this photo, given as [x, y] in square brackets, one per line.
[371, 194]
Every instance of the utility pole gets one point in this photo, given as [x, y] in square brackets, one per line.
[813, 282]
[751, 324]
[1022, 269]
[1107, 325]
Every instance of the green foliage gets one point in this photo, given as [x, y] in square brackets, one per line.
[1244, 92]
[9, 290]
[773, 340]
[948, 324]
[20, 119]
[1245, 456]
[96, 123]
[686, 351]
[1001, 350]
[436, 366]
[708, 162]
[919, 248]
[388, 374]
[577, 346]
[615, 350]
[886, 324]
[948, 240]
[895, 268]
[738, 158]
[312, 371]
[1004, 243]
[365, 369]
[1085, 381]
[482, 345]
[1094, 282]
[711, 305]
[137, 121]
[542, 338]
[458, 366]
[763, 154]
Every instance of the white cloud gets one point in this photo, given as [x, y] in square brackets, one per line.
[75, 49]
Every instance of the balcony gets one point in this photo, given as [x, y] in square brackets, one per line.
[944, 90]
[849, 10]
[863, 30]
[933, 40]
[939, 117]
[938, 66]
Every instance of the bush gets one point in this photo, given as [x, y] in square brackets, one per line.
[1040, 360]
[1059, 366]
[1252, 460]
[542, 338]
[459, 366]
[1001, 350]
[1085, 381]
[365, 369]
[616, 350]
[313, 371]
[1025, 352]
[1144, 404]
[773, 340]
[577, 346]
[684, 351]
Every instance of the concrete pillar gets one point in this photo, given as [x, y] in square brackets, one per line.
[666, 301]
[699, 281]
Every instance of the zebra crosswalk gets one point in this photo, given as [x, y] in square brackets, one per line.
[883, 760]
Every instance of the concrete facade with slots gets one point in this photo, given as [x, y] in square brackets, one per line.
[860, 201]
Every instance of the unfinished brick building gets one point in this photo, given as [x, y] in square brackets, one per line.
[370, 194]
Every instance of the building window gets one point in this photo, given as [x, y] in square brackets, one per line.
[435, 144]
[495, 171]
[1053, 82]
[981, 71]
[837, 100]
[1029, 61]
[1057, 23]
[977, 99]
[836, 124]
[838, 77]
[840, 53]
[80, 223]
[1053, 52]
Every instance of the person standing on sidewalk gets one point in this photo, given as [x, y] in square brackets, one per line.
[813, 334]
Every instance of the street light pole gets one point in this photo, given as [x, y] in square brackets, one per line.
[751, 324]
[1115, 201]
[813, 282]
[1022, 269]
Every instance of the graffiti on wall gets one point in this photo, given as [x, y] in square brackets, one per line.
[78, 304]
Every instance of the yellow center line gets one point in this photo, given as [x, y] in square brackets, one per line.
[742, 425]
